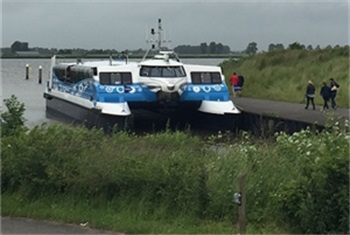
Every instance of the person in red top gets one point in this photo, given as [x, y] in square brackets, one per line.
[234, 83]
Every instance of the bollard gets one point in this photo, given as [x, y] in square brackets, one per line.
[27, 71]
[40, 74]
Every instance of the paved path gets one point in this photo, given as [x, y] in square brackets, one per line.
[291, 111]
[29, 226]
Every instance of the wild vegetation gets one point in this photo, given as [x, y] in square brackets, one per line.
[173, 182]
[284, 74]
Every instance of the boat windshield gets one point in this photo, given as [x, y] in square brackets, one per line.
[162, 71]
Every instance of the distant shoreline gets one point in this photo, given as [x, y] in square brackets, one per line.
[135, 56]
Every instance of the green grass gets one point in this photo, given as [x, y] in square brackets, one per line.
[283, 75]
[173, 182]
[127, 216]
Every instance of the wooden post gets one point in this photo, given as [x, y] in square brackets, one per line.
[242, 207]
[27, 71]
[40, 74]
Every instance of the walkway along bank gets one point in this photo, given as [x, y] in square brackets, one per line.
[265, 117]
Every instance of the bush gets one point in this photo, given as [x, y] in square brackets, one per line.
[301, 180]
[317, 199]
[12, 121]
[163, 168]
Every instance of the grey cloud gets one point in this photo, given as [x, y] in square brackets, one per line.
[122, 24]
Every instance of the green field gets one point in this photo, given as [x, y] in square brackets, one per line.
[283, 75]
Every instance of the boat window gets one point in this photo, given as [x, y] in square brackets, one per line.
[144, 72]
[206, 77]
[60, 73]
[79, 74]
[216, 78]
[63, 73]
[115, 78]
[94, 71]
[127, 79]
[156, 72]
[196, 78]
[162, 71]
[72, 74]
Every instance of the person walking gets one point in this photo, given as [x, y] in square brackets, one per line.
[234, 83]
[310, 94]
[334, 86]
[326, 95]
[240, 85]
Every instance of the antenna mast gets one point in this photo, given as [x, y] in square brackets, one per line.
[154, 35]
[159, 33]
[153, 40]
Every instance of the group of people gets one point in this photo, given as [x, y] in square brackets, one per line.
[237, 82]
[327, 93]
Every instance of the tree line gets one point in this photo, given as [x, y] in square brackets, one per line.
[203, 48]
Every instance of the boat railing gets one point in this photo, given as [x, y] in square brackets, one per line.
[163, 55]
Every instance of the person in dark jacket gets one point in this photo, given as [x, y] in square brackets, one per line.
[334, 86]
[310, 94]
[240, 84]
[326, 95]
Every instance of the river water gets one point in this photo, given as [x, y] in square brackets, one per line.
[30, 92]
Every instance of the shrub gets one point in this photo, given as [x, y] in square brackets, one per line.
[12, 120]
[317, 199]
[301, 180]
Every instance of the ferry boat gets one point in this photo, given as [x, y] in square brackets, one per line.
[109, 93]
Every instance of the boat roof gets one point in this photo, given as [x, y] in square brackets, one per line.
[200, 68]
[160, 62]
[162, 59]
[105, 63]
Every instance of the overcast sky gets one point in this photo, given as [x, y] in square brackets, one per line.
[122, 25]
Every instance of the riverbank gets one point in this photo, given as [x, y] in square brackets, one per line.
[284, 74]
